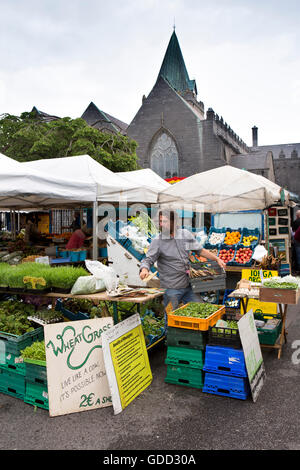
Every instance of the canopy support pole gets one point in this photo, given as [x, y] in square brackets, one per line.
[95, 230]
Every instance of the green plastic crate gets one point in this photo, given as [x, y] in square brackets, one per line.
[36, 394]
[266, 336]
[15, 344]
[186, 376]
[269, 336]
[12, 383]
[36, 373]
[185, 338]
[10, 362]
[185, 357]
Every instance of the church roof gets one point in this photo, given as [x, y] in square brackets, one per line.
[94, 116]
[281, 150]
[173, 68]
[44, 116]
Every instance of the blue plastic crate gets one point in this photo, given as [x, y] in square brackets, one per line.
[68, 314]
[208, 245]
[228, 229]
[128, 246]
[74, 256]
[228, 247]
[246, 232]
[224, 385]
[227, 361]
[225, 298]
[249, 263]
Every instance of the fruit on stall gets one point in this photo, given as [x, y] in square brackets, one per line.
[215, 238]
[232, 238]
[226, 255]
[248, 240]
[243, 255]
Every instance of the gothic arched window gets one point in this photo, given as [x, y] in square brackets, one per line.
[164, 156]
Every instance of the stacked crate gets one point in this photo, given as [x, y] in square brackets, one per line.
[186, 341]
[225, 372]
[185, 357]
[15, 378]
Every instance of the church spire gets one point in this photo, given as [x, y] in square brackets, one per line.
[173, 68]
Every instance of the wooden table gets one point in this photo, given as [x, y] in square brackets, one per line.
[102, 296]
[283, 298]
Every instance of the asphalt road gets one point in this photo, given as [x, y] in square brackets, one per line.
[170, 417]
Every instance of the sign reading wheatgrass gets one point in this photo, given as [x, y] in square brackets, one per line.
[76, 372]
[126, 361]
[252, 352]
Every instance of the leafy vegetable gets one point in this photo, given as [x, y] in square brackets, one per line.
[35, 351]
[197, 310]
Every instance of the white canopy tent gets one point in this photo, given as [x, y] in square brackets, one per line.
[109, 186]
[105, 185]
[7, 162]
[224, 189]
[146, 177]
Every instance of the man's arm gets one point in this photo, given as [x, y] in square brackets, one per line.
[150, 259]
[207, 254]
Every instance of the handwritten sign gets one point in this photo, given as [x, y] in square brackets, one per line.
[126, 361]
[252, 351]
[76, 372]
[256, 275]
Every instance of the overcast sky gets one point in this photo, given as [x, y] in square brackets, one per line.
[59, 55]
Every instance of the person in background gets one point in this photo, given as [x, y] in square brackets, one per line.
[295, 225]
[296, 222]
[31, 232]
[75, 222]
[171, 251]
[79, 236]
[297, 249]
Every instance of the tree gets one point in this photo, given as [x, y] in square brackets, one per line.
[28, 138]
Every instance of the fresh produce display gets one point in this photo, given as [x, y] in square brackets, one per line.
[47, 316]
[13, 317]
[197, 310]
[243, 255]
[216, 238]
[232, 303]
[275, 284]
[39, 276]
[152, 325]
[87, 306]
[35, 351]
[226, 255]
[194, 258]
[145, 224]
[247, 240]
[232, 238]
[204, 271]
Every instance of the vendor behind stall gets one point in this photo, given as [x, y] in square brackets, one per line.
[171, 251]
[79, 236]
[32, 234]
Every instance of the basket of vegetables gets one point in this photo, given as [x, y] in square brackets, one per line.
[196, 316]
[206, 276]
[225, 332]
[284, 290]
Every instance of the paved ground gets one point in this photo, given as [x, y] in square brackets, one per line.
[171, 417]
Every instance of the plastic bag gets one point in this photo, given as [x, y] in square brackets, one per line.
[88, 285]
[259, 253]
[103, 273]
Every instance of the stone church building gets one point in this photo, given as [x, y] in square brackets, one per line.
[176, 137]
